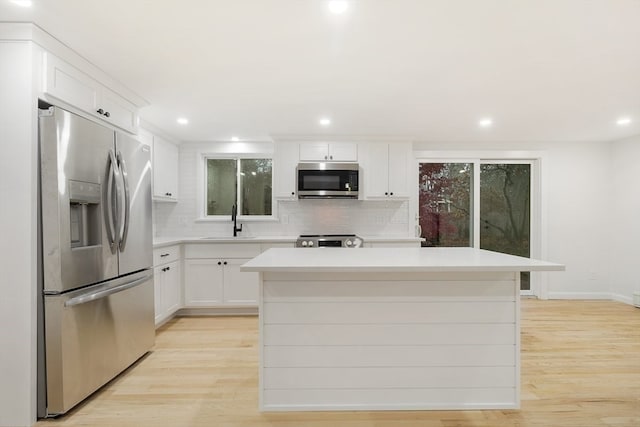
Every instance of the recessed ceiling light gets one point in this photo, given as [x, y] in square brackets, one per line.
[485, 123]
[623, 121]
[22, 3]
[182, 120]
[235, 139]
[325, 121]
[338, 6]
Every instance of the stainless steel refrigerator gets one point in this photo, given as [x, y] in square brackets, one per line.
[96, 310]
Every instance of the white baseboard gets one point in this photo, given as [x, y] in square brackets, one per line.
[580, 295]
[218, 311]
[622, 298]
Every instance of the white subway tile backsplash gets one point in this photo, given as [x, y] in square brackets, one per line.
[328, 216]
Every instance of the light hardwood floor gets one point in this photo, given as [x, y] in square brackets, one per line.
[580, 367]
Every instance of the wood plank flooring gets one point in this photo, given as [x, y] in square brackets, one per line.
[580, 367]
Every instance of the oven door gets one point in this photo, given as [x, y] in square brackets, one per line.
[328, 180]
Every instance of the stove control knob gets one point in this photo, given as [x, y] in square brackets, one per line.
[349, 243]
[304, 243]
[310, 243]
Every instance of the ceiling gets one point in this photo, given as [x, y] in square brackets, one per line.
[428, 70]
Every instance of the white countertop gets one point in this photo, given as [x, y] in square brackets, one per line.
[392, 260]
[159, 242]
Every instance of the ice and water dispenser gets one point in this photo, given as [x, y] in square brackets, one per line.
[85, 215]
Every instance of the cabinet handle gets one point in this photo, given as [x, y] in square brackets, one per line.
[386, 193]
[391, 193]
[219, 262]
[107, 114]
[330, 157]
[225, 263]
[167, 194]
[166, 269]
[100, 111]
[163, 255]
[293, 193]
[325, 157]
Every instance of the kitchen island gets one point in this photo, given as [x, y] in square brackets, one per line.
[389, 329]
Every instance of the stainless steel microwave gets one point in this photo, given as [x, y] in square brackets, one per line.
[327, 180]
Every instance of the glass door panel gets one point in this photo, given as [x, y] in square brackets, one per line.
[505, 211]
[445, 204]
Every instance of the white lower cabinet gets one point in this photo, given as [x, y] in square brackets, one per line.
[239, 288]
[167, 283]
[202, 282]
[212, 276]
[219, 282]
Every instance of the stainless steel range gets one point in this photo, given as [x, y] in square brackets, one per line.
[328, 241]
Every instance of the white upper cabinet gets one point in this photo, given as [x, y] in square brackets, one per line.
[72, 86]
[285, 160]
[387, 170]
[322, 151]
[165, 170]
[117, 110]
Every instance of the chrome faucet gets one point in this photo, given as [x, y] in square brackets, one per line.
[234, 217]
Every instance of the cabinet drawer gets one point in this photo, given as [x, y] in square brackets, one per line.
[222, 250]
[166, 254]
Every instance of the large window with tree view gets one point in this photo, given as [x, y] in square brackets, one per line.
[449, 201]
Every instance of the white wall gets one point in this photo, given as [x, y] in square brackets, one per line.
[18, 231]
[294, 217]
[623, 219]
[576, 202]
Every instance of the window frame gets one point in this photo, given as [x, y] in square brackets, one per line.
[201, 173]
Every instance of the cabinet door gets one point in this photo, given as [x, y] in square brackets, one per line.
[376, 171]
[285, 160]
[165, 170]
[158, 277]
[118, 111]
[203, 280]
[240, 288]
[343, 152]
[171, 289]
[399, 169]
[69, 84]
[314, 151]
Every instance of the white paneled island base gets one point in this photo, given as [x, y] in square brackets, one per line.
[389, 329]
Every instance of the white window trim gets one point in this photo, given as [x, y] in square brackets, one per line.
[539, 191]
[201, 187]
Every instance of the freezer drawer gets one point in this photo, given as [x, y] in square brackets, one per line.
[94, 334]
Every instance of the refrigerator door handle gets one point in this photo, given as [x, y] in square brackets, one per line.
[82, 299]
[110, 218]
[127, 202]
